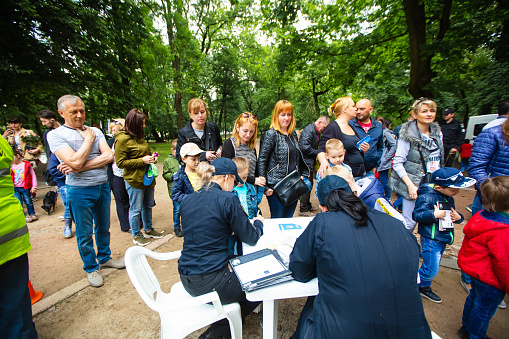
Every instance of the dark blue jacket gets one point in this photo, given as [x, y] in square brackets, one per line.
[374, 191]
[376, 145]
[254, 198]
[181, 186]
[490, 156]
[366, 277]
[209, 217]
[424, 214]
[57, 176]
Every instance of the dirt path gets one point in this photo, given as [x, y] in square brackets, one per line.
[116, 310]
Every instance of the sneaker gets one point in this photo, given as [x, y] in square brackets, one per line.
[27, 219]
[140, 240]
[153, 234]
[465, 286]
[462, 333]
[469, 208]
[502, 305]
[113, 264]
[95, 279]
[67, 232]
[33, 217]
[178, 232]
[427, 293]
[61, 218]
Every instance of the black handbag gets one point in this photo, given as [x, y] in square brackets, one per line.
[291, 188]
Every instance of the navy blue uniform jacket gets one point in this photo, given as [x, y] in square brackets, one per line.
[367, 277]
[208, 218]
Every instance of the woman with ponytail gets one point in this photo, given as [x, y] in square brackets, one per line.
[209, 217]
[344, 110]
[366, 263]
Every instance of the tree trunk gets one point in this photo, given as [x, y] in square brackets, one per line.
[156, 136]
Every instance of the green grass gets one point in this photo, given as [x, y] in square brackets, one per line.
[163, 149]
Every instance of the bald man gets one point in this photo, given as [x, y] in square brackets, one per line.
[364, 124]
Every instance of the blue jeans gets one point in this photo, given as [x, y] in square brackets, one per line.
[384, 179]
[90, 210]
[480, 307]
[63, 195]
[176, 214]
[278, 210]
[432, 251]
[23, 194]
[141, 202]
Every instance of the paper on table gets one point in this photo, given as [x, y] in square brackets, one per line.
[259, 268]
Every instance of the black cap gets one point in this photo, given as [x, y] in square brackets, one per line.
[448, 111]
[226, 166]
[328, 184]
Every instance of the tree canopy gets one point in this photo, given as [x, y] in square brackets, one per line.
[245, 55]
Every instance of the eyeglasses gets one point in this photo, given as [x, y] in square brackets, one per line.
[422, 99]
[249, 115]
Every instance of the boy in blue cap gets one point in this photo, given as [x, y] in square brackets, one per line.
[433, 209]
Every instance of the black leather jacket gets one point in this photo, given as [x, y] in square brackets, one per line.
[273, 158]
[308, 143]
[211, 132]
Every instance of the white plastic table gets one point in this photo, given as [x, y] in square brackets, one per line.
[272, 238]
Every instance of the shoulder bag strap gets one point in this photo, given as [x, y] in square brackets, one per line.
[207, 132]
[423, 162]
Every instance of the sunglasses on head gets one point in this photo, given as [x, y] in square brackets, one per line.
[249, 115]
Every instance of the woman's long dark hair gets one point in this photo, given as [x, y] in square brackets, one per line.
[339, 200]
[134, 123]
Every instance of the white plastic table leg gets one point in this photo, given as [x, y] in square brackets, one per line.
[270, 310]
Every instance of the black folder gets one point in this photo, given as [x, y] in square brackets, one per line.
[260, 269]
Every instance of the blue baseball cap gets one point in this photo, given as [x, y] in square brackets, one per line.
[226, 166]
[328, 184]
[451, 177]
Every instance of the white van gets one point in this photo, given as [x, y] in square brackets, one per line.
[476, 124]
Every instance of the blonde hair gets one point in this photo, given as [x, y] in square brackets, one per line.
[495, 194]
[416, 107]
[333, 144]
[241, 120]
[339, 106]
[194, 105]
[118, 122]
[241, 163]
[174, 144]
[340, 171]
[281, 105]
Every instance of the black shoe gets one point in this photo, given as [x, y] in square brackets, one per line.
[178, 232]
[462, 333]
[427, 293]
[209, 334]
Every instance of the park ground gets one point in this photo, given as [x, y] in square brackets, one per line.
[117, 311]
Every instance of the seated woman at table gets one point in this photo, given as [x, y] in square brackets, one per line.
[209, 217]
[366, 263]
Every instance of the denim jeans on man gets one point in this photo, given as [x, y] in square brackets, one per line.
[141, 202]
[432, 251]
[278, 210]
[63, 195]
[23, 194]
[176, 214]
[480, 307]
[90, 205]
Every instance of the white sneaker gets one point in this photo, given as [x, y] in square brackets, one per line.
[95, 279]
[61, 218]
[502, 305]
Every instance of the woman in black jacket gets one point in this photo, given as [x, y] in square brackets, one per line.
[366, 263]
[279, 156]
[200, 132]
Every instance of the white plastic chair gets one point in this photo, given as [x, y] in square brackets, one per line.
[180, 312]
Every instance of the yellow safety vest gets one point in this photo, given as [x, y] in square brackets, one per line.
[14, 240]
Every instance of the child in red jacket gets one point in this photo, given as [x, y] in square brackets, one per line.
[484, 256]
[465, 152]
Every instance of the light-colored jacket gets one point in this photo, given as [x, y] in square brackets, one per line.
[23, 147]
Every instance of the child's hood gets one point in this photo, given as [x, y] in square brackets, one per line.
[487, 222]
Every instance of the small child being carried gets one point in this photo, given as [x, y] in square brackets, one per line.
[335, 154]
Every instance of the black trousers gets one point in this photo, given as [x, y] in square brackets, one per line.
[122, 202]
[305, 204]
[227, 286]
[15, 305]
